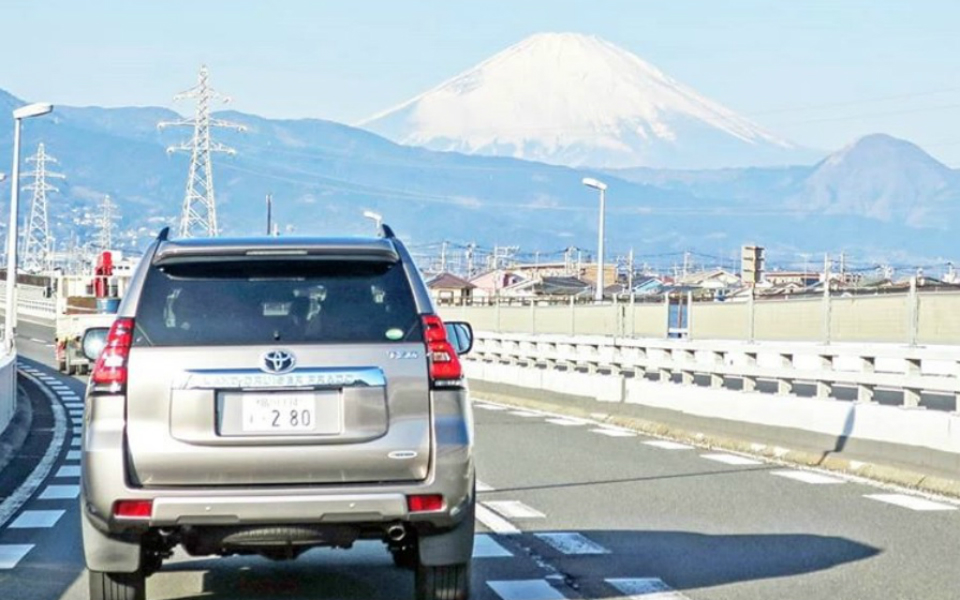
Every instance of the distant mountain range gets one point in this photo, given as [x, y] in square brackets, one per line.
[880, 198]
[580, 101]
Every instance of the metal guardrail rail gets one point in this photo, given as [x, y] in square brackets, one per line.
[910, 370]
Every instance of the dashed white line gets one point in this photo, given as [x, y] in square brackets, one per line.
[484, 487]
[572, 543]
[808, 477]
[75, 442]
[667, 445]
[525, 414]
[731, 459]
[37, 519]
[73, 455]
[566, 422]
[525, 589]
[647, 588]
[60, 492]
[514, 509]
[485, 546]
[11, 554]
[68, 471]
[38, 341]
[495, 522]
[911, 502]
[609, 431]
[493, 407]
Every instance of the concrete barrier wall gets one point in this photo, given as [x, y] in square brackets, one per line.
[938, 319]
[720, 321]
[8, 389]
[788, 320]
[909, 318]
[869, 319]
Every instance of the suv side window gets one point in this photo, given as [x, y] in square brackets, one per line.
[265, 302]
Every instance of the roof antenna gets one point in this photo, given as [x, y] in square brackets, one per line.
[377, 219]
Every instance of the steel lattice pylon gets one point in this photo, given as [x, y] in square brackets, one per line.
[108, 216]
[37, 248]
[199, 214]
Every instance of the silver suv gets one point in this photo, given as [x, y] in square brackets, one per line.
[272, 395]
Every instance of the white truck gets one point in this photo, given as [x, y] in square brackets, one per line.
[70, 328]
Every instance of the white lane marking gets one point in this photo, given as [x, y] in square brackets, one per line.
[484, 487]
[38, 340]
[731, 459]
[524, 413]
[567, 422]
[60, 387]
[60, 492]
[77, 421]
[76, 412]
[572, 543]
[808, 477]
[485, 546]
[73, 404]
[73, 455]
[514, 509]
[36, 519]
[75, 442]
[495, 522]
[68, 471]
[525, 589]
[609, 431]
[28, 488]
[648, 588]
[666, 445]
[490, 407]
[911, 502]
[11, 554]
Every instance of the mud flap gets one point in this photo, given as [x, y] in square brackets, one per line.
[107, 553]
[451, 547]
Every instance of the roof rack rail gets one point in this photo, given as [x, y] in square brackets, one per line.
[164, 234]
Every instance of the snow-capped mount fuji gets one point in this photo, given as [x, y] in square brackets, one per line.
[577, 100]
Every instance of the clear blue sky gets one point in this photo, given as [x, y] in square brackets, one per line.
[819, 72]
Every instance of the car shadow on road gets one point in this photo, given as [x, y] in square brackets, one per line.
[683, 560]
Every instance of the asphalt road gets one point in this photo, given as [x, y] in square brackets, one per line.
[569, 510]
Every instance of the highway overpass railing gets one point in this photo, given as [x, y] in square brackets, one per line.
[888, 393]
[8, 389]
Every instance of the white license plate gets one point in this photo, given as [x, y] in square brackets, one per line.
[279, 413]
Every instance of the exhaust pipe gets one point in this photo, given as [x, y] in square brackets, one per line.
[396, 533]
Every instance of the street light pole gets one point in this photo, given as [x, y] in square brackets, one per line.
[602, 187]
[10, 320]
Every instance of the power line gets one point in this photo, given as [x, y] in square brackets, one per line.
[199, 214]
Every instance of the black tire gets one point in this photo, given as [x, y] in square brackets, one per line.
[406, 557]
[117, 586]
[451, 582]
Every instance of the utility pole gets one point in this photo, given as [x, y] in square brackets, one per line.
[37, 249]
[443, 256]
[630, 271]
[199, 214]
[470, 248]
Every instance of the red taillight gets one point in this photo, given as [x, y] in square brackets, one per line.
[110, 370]
[133, 509]
[425, 503]
[445, 369]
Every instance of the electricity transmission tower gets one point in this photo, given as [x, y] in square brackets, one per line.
[199, 215]
[106, 224]
[37, 245]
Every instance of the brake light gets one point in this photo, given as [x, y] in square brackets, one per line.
[425, 503]
[110, 371]
[133, 509]
[445, 369]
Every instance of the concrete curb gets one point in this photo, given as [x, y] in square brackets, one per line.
[822, 460]
[16, 432]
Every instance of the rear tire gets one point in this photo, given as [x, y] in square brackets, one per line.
[450, 582]
[117, 586]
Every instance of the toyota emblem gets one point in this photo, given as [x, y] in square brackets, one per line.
[278, 362]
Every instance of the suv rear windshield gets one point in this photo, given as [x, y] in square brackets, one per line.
[264, 302]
